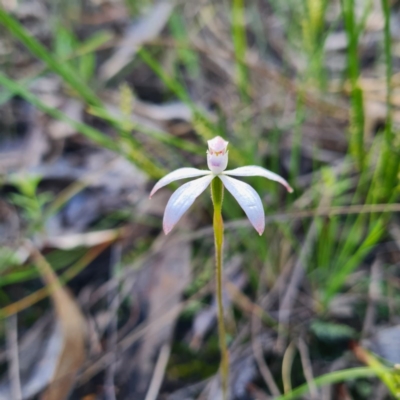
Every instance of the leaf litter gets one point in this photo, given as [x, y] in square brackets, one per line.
[141, 324]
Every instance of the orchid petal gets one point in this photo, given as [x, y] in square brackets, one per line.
[248, 199]
[180, 173]
[182, 199]
[252, 170]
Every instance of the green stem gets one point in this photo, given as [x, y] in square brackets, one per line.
[357, 103]
[217, 195]
[389, 69]
[330, 378]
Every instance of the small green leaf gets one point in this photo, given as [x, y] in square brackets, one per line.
[329, 331]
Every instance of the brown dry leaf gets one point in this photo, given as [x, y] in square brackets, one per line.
[385, 343]
[9, 224]
[170, 111]
[59, 129]
[159, 286]
[153, 116]
[87, 239]
[242, 371]
[72, 329]
[18, 153]
[375, 107]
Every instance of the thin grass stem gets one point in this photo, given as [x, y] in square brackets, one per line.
[357, 104]
[217, 194]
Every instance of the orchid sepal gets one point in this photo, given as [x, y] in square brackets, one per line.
[181, 173]
[182, 199]
[248, 199]
[254, 170]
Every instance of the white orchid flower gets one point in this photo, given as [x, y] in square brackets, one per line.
[217, 160]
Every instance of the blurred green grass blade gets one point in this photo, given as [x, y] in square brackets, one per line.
[324, 244]
[240, 47]
[93, 134]
[128, 148]
[331, 378]
[72, 271]
[93, 43]
[368, 7]
[205, 127]
[392, 159]
[295, 156]
[313, 21]
[170, 82]
[357, 104]
[326, 240]
[357, 126]
[388, 61]
[361, 234]
[352, 37]
[86, 48]
[164, 137]
[385, 174]
[5, 96]
[352, 261]
[202, 124]
[87, 66]
[38, 50]
[18, 277]
[72, 78]
[186, 56]
[362, 186]
[59, 258]
[64, 42]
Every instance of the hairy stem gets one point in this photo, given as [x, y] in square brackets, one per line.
[217, 194]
